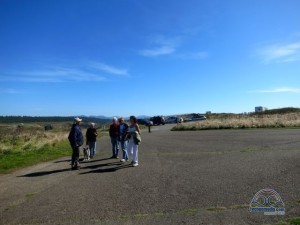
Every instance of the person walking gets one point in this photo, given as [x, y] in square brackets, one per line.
[76, 140]
[134, 140]
[123, 141]
[91, 139]
[114, 134]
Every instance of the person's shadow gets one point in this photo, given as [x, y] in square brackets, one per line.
[108, 170]
[44, 173]
[93, 169]
[81, 160]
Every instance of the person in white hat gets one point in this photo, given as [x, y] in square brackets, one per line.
[91, 139]
[76, 140]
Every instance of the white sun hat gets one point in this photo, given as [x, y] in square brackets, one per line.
[77, 119]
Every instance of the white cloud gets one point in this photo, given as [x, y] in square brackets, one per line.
[279, 90]
[161, 46]
[84, 72]
[164, 50]
[52, 75]
[108, 69]
[281, 52]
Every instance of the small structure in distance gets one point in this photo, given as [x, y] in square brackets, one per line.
[259, 109]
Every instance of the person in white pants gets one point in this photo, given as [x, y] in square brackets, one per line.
[133, 148]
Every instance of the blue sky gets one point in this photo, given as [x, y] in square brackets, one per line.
[123, 57]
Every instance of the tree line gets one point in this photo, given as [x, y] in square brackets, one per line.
[47, 119]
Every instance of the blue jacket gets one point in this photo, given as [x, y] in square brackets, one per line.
[75, 136]
[123, 131]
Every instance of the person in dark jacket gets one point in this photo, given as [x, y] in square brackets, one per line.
[114, 133]
[76, 140]
[91, 138]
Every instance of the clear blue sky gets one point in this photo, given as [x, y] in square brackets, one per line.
[123, 57]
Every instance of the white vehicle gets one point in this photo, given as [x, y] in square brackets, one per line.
[172, 119]
[196, 118]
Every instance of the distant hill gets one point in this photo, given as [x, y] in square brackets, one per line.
[104, 119]
[100, 117]
[48, 119]
[280, 111]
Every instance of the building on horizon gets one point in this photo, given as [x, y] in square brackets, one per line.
[259, 109]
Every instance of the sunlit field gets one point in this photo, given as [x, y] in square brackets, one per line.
[29, 137]
[289, 120]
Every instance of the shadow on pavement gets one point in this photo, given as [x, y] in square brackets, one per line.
[102, 165]
[44, 173]
[118, 165]
[108, 170]
[81, 160]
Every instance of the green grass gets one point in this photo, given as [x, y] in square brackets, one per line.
[14, 160]
[31, 195]
[216, 209]
[294, 221]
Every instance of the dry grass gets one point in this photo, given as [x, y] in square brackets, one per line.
[14, 138]
[288, 120]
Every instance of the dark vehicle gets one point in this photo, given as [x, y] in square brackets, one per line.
[158, 120]
[144, 122]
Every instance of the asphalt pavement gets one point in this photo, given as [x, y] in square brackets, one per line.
[189, 177]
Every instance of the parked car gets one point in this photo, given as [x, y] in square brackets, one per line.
[195, 118]
[198, 117]
[144, 122]
[172, 119]
[158, 120]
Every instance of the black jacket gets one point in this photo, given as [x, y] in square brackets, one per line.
[91, 135]
[114, 130]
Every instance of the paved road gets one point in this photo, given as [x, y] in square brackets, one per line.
[200, 177]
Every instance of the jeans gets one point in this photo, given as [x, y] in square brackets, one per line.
[115, 146]
[124, 149]
[75, 156]
[133, 150]
[92, 147]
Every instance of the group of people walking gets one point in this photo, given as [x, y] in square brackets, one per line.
[123, 136]
[127, 137]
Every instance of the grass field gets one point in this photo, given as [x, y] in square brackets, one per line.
[289, 120]
[28, 144]
[29, 137]
[13, 160]
[23, 145]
